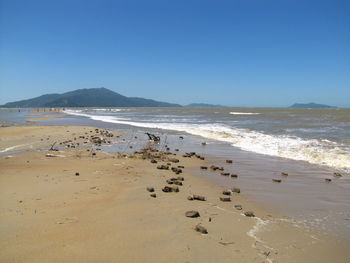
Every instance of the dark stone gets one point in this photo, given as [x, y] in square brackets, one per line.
[284, 174]
[277, 180]
[178, 183]
[328, 180]
[168, 189]
[192, 214]
[225, 199]
[180, 166]
[226, 192]
[163, 167]
[77, 174]
[234, 175]
[199, 197]
[150, 189]
[238, 207]
[201, 229]
[236, 190]
[225, 174]
[153, 161]
[204, 167]
[228, 161]
[181, 137]
[176, 170]
[180, 178]
[174, 160]
[190, 198]
[249, 214]
[204, 143]
[153, 195]
[214, 168]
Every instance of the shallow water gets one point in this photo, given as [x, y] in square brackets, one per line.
[318, 136]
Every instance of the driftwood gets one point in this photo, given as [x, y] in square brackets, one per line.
[53, 149]
[153, 137]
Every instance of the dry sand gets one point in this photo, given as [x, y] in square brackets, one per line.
[105, 214]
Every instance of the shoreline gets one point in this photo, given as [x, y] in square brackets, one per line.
[229, 230]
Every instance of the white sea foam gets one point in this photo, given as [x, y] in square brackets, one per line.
[108, 109]
[14, 147]
[314, 151]
[244, 113]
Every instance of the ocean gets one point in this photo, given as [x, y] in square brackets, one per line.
[317, 136]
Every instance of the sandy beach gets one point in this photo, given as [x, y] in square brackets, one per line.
[78, 204]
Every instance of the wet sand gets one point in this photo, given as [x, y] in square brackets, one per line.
[105, 214]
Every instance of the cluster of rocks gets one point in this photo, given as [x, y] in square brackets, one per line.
[98, 138]
[227, 193]
[221, 169]
[151, 190]
[174, 183]
[169, 189]
[196, 197]
[193, 154]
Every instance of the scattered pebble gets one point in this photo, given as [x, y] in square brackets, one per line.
[199, 197]
[238, 207]
[192, 214]
[163, 167]
[277, 180]
[236, 190]
[225, 199]
[168, 189]
[150, 189]
[201, 229]
[249, 214]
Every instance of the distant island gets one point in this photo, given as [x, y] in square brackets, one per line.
[96, 97]
[310, 105]
[203, 105]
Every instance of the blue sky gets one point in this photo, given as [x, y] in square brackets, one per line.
[237, 53]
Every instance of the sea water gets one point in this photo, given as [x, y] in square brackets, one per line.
[317, 136]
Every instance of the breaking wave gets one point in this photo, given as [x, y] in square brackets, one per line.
[321, 152]
[244, 113]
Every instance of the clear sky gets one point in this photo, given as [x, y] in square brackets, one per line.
[234, 52]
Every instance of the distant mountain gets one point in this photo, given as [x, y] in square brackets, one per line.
[97, 97]
[310, 105]
[203, 105]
